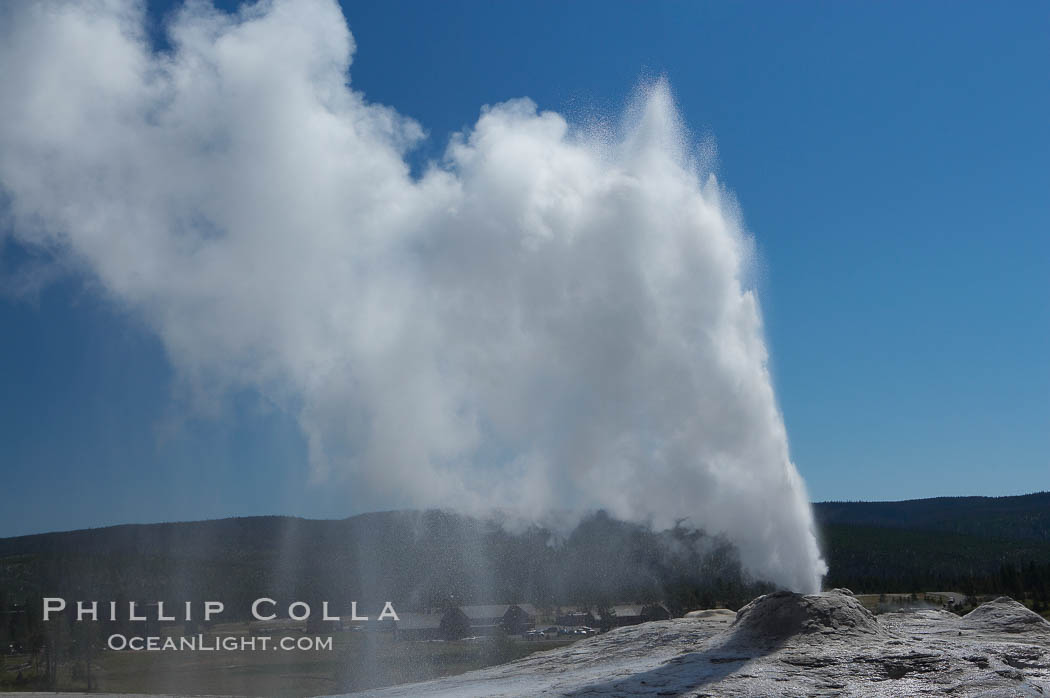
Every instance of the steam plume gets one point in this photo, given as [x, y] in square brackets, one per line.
[550, 318]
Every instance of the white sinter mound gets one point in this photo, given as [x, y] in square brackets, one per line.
[786, 644]
[782, 615]
[1004, 615]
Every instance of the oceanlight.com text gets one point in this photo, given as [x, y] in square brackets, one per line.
[229, 643]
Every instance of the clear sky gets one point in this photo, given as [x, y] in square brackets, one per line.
[890, 159]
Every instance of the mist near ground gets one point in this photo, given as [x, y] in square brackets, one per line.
[554, 317]
[421, 561]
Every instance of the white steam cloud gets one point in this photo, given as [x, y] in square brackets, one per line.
[551, 318]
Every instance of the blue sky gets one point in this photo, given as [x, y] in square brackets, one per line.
[890, 160]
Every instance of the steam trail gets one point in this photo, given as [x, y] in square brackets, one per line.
[550, 318]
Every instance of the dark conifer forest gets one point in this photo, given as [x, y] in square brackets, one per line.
[429, 560]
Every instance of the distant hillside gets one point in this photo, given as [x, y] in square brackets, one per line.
[427, 559]
[971, 544]
[1024, 517]
[418, 559]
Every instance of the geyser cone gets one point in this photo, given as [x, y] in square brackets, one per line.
[781, 615]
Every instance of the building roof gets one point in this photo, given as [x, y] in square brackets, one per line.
[627, 609]
[418, 621]
[498, 610]
[485, 611]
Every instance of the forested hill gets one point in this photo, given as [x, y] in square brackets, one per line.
[418, 559]
[1025, 517]
[423, 559]
[986, 545]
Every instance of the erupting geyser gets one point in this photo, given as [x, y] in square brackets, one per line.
[551, 318]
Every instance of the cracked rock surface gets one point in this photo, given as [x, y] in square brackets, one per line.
[786, 644]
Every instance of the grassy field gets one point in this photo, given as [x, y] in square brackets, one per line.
[357, 660]
[880, 603]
